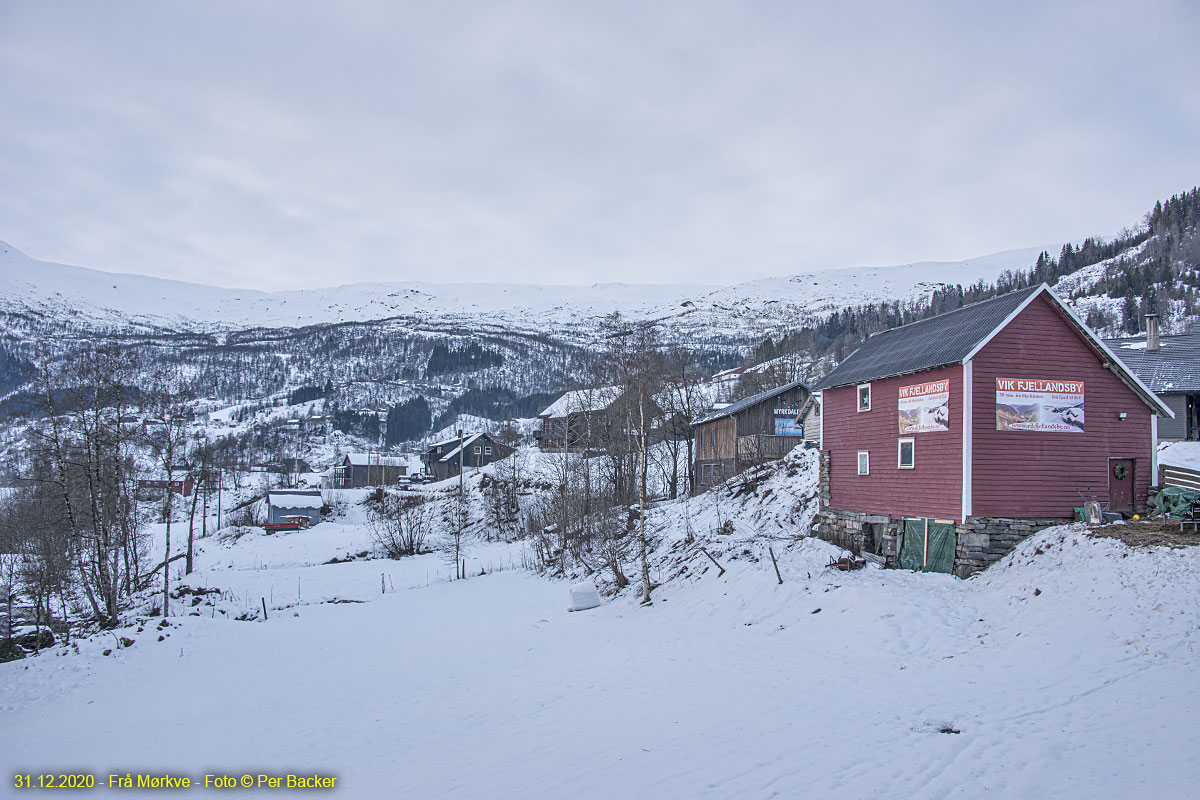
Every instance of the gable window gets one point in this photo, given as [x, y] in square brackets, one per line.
[864, 462]
[487, 451]
[478, 449]
[906, 457]
[864, 397]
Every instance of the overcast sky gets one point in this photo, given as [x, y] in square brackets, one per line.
[298, 144]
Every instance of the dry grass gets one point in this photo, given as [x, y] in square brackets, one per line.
[1149, 533]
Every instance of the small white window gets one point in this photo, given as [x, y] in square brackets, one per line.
[864, 462]
[487, 451]
[906, 457]
[478, 449]
[864, 397]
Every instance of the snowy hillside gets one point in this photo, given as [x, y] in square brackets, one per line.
[120, 300]
[875, 683]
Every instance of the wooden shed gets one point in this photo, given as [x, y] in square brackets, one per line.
[950, 439]
[748, 432]
[284, 504]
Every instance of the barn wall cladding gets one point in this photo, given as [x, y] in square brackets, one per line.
[1074, 424]
[1047, 474]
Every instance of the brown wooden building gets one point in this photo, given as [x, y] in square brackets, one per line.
[359, 470]
[749, 432]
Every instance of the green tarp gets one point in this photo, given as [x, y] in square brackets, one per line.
[928, 545]
[1175, 501]
[912, 547]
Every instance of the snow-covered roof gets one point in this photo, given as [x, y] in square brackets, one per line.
[294, 498]
[582, 400]
[466, 442]
[374, 460]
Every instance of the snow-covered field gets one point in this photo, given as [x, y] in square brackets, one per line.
[1067, 670]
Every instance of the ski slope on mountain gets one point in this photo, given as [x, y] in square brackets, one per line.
[119, 300]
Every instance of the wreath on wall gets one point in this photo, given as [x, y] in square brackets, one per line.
[1120, 471]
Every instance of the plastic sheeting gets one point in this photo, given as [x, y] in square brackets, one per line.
[928, 545]
[1176, 501]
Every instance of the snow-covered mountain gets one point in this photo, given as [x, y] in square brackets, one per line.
[116, 300]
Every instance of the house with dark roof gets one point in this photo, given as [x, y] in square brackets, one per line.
[1169, 365]
[359, 470]
[444, 459]
[748, 432]
[948, 440]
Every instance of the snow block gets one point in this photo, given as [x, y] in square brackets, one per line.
[583, 597]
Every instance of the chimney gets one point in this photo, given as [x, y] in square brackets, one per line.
[1152, 331]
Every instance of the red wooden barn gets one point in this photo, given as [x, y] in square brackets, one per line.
[948, 440]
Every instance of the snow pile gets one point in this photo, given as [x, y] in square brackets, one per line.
[1180, 454]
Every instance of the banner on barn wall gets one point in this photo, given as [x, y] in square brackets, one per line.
[787, 426]
[925, 407]
[1039, 405]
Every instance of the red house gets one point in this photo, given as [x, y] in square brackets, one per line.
[948, 440]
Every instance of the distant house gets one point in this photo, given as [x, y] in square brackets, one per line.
[591, 418]
[580, 418]
[359, 470]
[442, 459]
[284, 466]
[179, 481]
[748, 432]
[948, 440]
[1169, 365]
[284, 503]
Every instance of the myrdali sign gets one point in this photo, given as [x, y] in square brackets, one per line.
[1039, 405]
[925, 407]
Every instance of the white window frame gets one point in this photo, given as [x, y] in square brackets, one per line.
[478, 450]
[861, 463]
[858, 397]
[900, 450]
[487, 451]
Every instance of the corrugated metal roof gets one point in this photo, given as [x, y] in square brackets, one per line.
[927, 343]
[734, 408]
[1173, 368]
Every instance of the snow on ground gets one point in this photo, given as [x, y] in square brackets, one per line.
[1180, 454]
[1067, 670]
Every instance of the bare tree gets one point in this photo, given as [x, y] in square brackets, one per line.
[452, 544]
[81, 468]
[637, 361]
[400, 525]
[166, 434]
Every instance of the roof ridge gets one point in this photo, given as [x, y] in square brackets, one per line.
[951, 312]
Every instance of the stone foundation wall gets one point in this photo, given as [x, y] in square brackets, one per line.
[980, 541]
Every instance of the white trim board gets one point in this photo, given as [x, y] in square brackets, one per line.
[968, 424]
